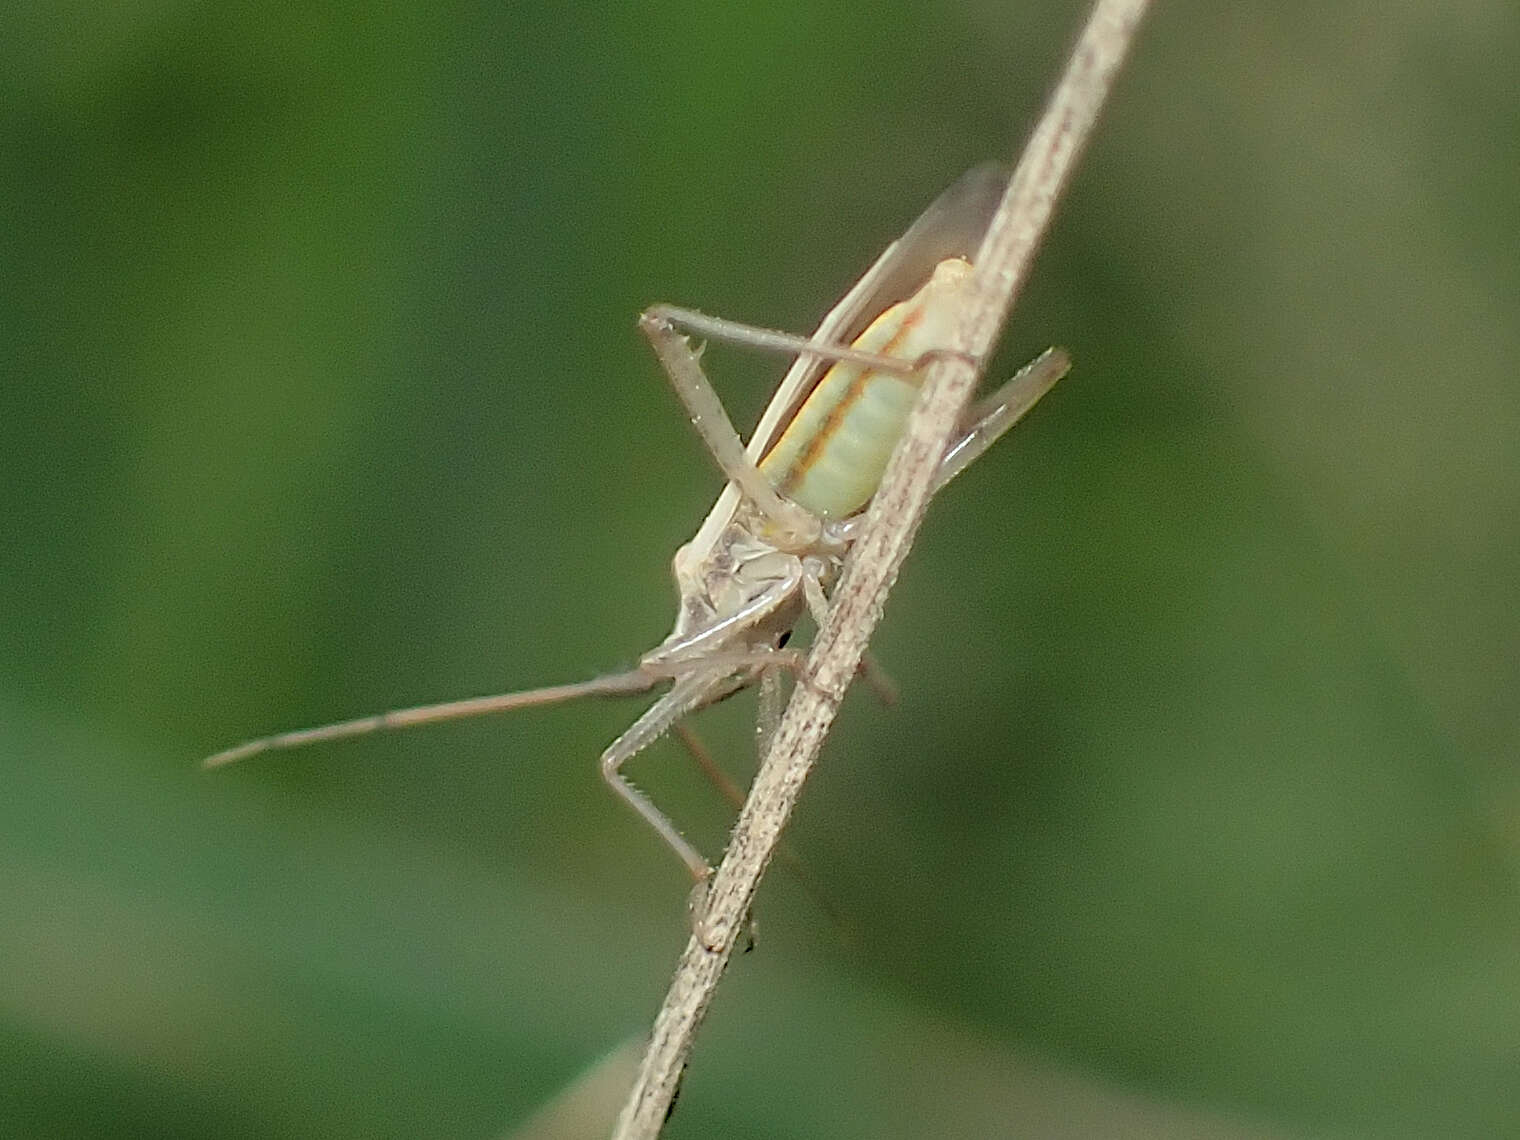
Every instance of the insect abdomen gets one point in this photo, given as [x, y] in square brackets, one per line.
[831, 456]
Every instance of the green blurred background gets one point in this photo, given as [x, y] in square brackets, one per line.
[322, 394]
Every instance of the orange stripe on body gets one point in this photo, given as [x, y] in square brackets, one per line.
[836, 417]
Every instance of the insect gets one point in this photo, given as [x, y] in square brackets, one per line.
[772, 547]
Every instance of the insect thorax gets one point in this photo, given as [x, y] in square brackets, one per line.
[739, 575]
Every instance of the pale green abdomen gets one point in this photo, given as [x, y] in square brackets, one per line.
[832, 455]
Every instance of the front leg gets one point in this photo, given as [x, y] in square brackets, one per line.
[798, 526]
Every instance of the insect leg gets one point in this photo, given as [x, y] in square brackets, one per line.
[774, 340]
[717, 431]
[730, 792]
[686, 695]
[716, 776]
[721, 635]
[818, 606]
[989, 418]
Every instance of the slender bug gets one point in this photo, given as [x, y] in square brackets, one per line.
[773, 545]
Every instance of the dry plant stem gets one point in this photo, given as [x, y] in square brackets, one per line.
[1001, 268]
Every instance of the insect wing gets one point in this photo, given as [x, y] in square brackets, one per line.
[952, 226]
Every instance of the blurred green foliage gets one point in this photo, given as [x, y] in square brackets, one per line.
[322, 394]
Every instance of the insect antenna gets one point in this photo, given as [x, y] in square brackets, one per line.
[612, 685]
